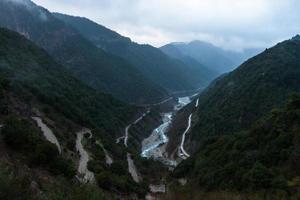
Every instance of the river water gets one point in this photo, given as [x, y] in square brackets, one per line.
[154, 145]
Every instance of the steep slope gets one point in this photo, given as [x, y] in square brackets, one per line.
[33, 84]
[90, 64]
[246, 131]
[260, 163]
[211, 56]
[234, 101]
[169, 73]
[34, 77]
[207, 74]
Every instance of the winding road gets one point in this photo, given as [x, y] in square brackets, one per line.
[157, 104]
[182, 153]
[108, 158]
[157, 188]
[88, 176]
[128, 127]
[49, 135]
[119, 139]
[132, 169]
[126, 135]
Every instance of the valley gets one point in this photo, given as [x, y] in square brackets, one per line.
[87, 113]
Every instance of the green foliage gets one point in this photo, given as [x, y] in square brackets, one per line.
[122, 183]
[236, 100]
[45, 152]
[93, 66]
[259, 177]
[13, 188]
[264, 157]
[64, 190]
[20, 187]
[166, 72]
[33, 75]
[22, 136]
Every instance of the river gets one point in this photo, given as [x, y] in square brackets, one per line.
[153, 146]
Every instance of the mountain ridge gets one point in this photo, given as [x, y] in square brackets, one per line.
[97, 68]
[211, 56]
[169, 73]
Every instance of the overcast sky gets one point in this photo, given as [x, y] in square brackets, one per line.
[233, 24]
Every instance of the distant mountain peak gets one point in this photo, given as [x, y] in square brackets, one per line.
[200, 42]
[23, 2]
[297, 37]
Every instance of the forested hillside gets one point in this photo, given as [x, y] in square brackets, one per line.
[32, 75]
[263, 160]
[246, 132]
[171, 74]
[211, 56]
[95, 67]
[234, 101]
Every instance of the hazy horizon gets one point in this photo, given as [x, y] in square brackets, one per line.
[230, 24]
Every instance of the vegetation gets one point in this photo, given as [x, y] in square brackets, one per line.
[246, 139]
[234, 101]
[22, 187]
[170, 74]
[31, 79]
[94, 67]
[216, 58]
[114, 177]
[266, 157]
[11, 186]
[21, 136]
[33, 75]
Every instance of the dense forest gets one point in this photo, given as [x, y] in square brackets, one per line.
[246, 132]
[80, 105]
[265, 157]
[96, 68]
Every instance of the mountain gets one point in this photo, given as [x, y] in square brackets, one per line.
[33, 84]
[253, 89]
[207, 74]
[297, 37]
[260, 163]
[95, 67]
[35, 78]
[213, 57]
[246, 129]
[171, 74]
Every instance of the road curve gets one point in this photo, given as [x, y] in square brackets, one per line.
[157, 104]
[132, 169]
[128, 127]
[183, 154]
[197, 103]
[108, 158]
[49, 135]
[126, 134]
[88, 176]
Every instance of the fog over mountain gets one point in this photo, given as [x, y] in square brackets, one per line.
[232, 24]
[89, 113]
[216, 58]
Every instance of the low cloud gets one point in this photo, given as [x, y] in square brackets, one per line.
[231, 24]
[31, 7]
